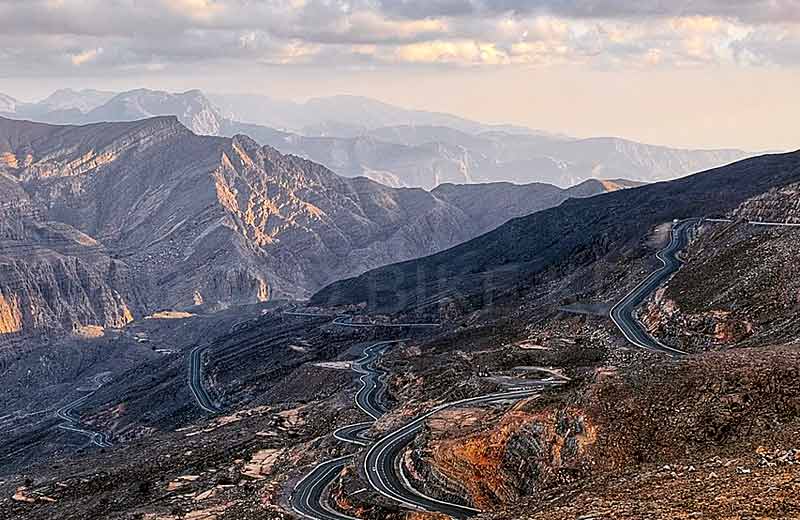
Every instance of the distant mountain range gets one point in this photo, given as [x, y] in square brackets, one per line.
[344, 116]
[103, 223]
[402, 148]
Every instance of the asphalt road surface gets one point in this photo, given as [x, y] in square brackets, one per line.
[755, 222]
[354, 433]
[384, 475]
[196, 380]
[347, 321]
[387, 477]
[308, 497]
[369, 397]
[623, 312]
[72, 423]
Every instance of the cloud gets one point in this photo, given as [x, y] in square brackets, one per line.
[465, 51]
[85, 56]
[78, 36]
[744, 10]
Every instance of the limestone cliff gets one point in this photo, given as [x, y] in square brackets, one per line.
[52, 277]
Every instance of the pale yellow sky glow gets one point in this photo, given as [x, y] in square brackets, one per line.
[701, 73]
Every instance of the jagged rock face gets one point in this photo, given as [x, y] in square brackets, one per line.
[190, 218]
[10, 315]
[348, 225]
[61, 292]
[52, 277]
[524, 451]
[394, 164]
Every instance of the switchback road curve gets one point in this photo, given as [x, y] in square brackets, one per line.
[196, 379]
[72, 423]
[383, 473]
[308, 496]
[386, 476]
[622, 313]
[196, 385]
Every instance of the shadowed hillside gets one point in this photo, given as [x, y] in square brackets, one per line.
[575, 233]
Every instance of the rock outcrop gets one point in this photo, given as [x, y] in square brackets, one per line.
[525, 450]
[707, 436]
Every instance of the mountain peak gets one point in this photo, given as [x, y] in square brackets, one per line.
[591, 187]
[192, 108]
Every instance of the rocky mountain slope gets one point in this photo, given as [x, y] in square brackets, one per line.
[611, 424]
[53, 276]
[711, 436]
[191, 108]
[398, 147]
[737, 288]
[627, 434]
[193, 219]
[780, 205]
[573, 234]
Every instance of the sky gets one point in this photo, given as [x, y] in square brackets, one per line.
[691, 73]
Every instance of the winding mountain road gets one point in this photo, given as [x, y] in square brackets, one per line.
[387, 477]
[308, 498]
[308, 495]
[380, 465]
[622, 313]
[201, 396]
[383, 472]
[72, 423]
[755, 222]
[206, 402]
